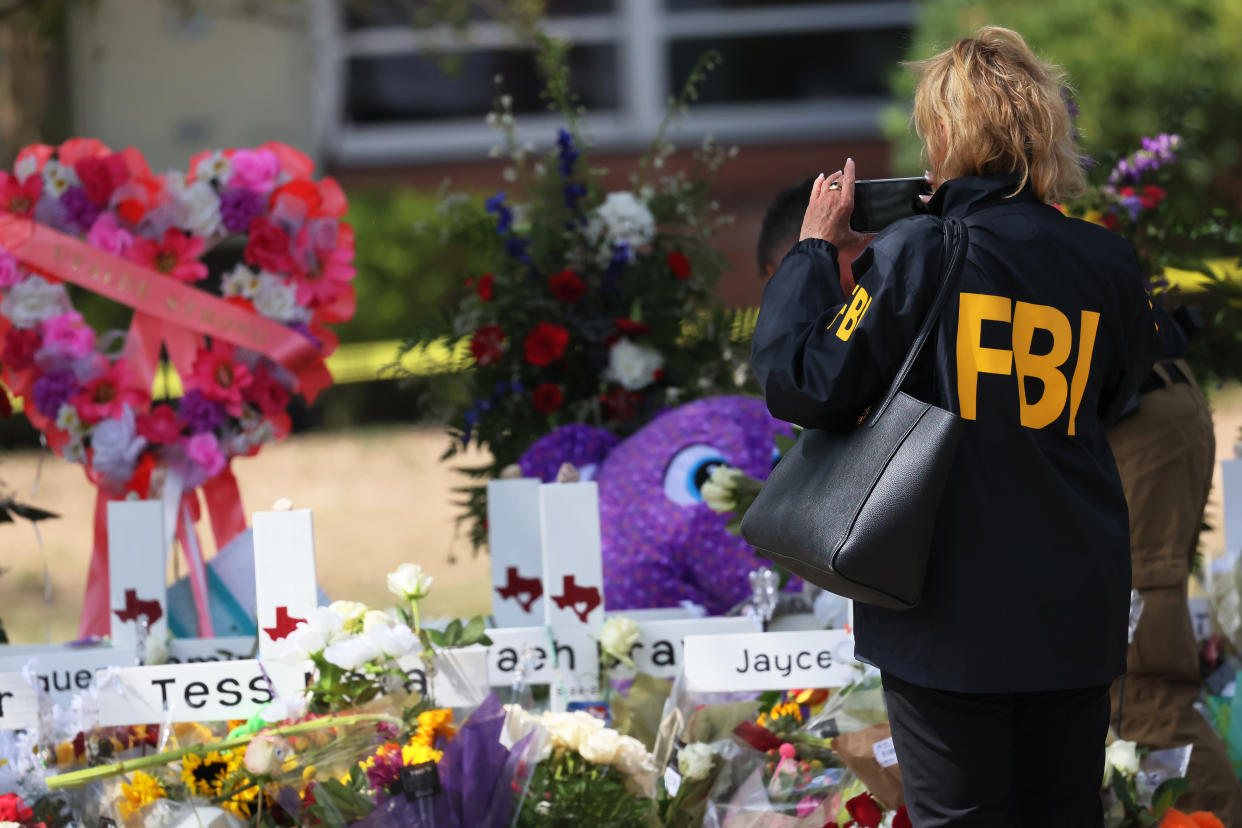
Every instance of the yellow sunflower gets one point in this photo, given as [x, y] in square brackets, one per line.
[143, 790]
[203, 775]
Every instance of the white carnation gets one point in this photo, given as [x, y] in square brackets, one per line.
[240, 281]
[321, 628]
[33, 300]
[58, 177]
[392, 640]
[621, 220]
[632, 366]
[217, 166]
[351, 653]
[198, 205]
[695, 761]
[277, 300]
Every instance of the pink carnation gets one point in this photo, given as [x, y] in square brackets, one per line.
[67, 335]
[255, 169]
[220, 377]
[10, 273]
[109, 236]
[204, 451]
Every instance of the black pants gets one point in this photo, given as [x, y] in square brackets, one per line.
[1006, 760]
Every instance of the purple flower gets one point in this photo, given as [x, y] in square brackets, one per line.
[200, 413]
[1134, 204]
[1156, 152]
[77, 210]
[516, 248]
[386, 770]
[565, 149]
[238, 207]
[573, 194]
[504, 215]
[53, 390]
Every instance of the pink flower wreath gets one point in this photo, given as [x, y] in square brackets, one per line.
[90, 393]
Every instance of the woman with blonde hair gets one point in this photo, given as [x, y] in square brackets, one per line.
[997, 681]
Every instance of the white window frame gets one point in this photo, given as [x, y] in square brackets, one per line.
[641, 31]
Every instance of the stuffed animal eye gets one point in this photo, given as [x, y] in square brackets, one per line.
[776, 456]
[688, 471]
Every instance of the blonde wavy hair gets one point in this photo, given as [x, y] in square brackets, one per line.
[990, 105]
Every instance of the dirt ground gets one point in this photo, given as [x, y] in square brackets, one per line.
[380, 498]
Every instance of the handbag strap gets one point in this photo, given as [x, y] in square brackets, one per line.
[955, 239]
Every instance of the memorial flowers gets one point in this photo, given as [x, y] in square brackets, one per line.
[597, 301]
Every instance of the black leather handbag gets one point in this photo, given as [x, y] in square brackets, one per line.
[853, 511]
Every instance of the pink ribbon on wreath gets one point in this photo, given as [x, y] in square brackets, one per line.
[175, 316]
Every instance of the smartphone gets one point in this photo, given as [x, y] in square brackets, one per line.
[879, 202]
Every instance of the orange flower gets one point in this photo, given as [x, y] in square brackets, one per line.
[1199, 819]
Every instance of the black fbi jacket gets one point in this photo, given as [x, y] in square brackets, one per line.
[1051, 333]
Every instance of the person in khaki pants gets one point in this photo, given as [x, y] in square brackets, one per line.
[1166, 452]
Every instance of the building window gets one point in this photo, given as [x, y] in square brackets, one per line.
[393, 101]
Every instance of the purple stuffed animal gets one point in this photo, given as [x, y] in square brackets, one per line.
[662, 544]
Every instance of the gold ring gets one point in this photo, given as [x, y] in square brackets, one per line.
[836, 185]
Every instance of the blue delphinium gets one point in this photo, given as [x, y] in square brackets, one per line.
[504, 214]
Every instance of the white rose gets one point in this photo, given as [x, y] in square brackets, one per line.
[695, 761]
[632, 366]
[374, 618]
[320, 629]
[617, 637]
[198, 205]
[600, 747]
[570, 730]
[117, 446]
[57, 177]
[1123, 757]
[719, 490]
[409, 582]
[33, 300]
[277, 300]
[351, 653]
[350, 611]
[633, 758]
[217, 166]
[240, 281]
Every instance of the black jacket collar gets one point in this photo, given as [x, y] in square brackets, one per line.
[960, 197]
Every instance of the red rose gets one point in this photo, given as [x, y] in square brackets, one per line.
[487, 345]
[268, 247]
[865, 811]
[20, 345]
[266, 392]
[679, 265]
[487, 283]
[1152, 195]
[548, 397]
[545, 344]
[100, 177]
[567, 286]
[902, 819]
[632, 330]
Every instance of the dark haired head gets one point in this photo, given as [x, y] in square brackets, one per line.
[782, 224]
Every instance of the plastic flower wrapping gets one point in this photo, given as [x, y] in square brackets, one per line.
[599, 303]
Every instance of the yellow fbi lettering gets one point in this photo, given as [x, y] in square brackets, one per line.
[1024, 318]
[851, 314]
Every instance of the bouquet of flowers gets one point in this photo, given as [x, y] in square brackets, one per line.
[599, 305]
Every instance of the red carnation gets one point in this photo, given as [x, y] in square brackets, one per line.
[901, 819]
[548, 397]
[545, 344]
[487, 345]
[20, 345]
[632, 330]
[101, 177]
[160, 426]
[865, 811]
[268, 247]
[567, 286]
[266, 392]
[487, 283]
[679, 265]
